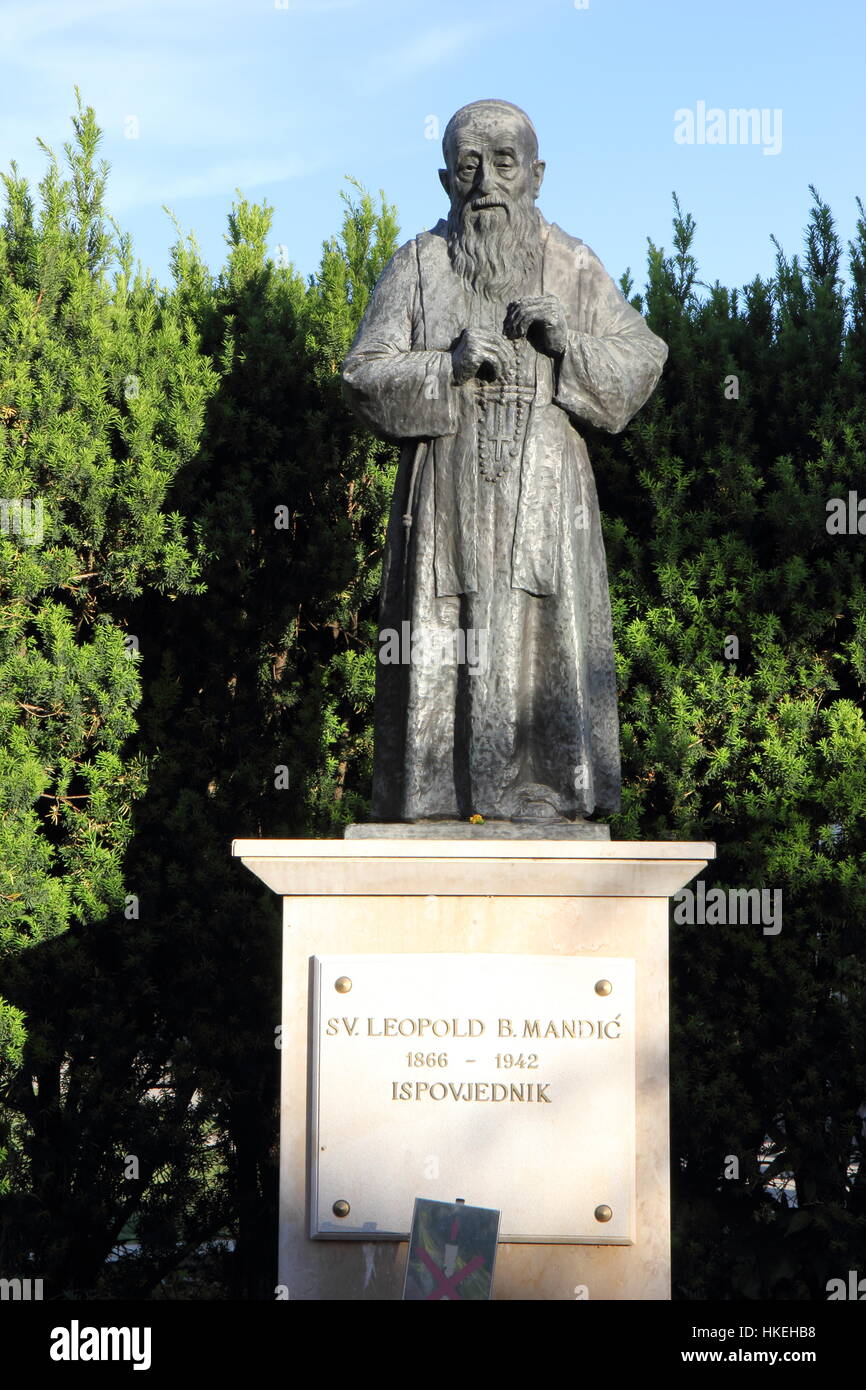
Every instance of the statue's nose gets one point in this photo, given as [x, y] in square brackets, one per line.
[483, 181]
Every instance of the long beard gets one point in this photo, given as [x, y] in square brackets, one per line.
[496, 256]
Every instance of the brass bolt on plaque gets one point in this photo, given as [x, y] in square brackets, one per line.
[343, 985]
[603, 1213]
[341, 1208]
[603, 987]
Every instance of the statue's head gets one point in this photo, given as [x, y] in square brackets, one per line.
[492, 176]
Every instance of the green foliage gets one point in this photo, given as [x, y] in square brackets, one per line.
[103, 389]
[88, 456]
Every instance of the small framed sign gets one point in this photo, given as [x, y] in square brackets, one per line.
[452, 1251]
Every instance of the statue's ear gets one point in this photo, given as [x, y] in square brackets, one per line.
[538, 167]
[445, 180]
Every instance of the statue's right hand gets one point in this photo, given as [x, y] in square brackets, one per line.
[477, 350]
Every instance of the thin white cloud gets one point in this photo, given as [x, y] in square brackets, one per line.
[176, 94]
[20, 23]
[427, 50]
[217, 179]
[316, 6]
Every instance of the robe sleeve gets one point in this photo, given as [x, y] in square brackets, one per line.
[613, 361]
[399, 390]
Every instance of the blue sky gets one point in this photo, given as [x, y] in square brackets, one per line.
[283, 98]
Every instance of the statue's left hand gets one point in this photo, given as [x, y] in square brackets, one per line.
[543, 311]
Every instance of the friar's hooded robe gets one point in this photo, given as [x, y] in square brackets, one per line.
[516, 716]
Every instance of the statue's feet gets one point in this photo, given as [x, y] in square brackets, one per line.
[529, 803]
[535, 802]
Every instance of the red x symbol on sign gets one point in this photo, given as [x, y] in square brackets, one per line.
[445, 1286]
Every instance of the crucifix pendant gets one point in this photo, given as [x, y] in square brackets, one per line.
[502, 434]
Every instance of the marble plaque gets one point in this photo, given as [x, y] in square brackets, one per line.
[504, 1081]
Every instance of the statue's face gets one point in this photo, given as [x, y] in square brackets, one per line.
[491, 169]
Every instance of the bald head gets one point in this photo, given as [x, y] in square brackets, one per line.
[486, 117]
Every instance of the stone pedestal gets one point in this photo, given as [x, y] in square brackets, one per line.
[533, 898]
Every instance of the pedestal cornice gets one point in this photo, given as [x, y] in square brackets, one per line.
[456, 868]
